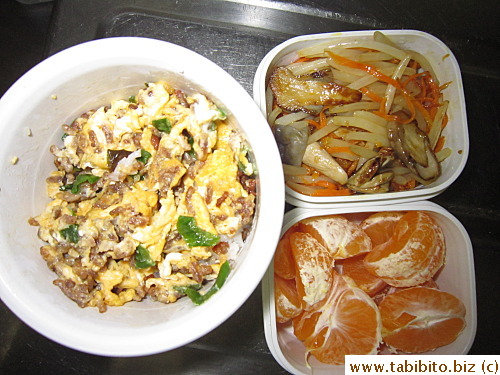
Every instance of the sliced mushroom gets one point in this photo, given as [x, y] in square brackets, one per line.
[318, 158]
[368, 180]
[413, 148]
[306, 93]
[378, 184]
[291, 142]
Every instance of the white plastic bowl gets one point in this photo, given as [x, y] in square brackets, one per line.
[31, 113]
[457, 277]
[446, 68]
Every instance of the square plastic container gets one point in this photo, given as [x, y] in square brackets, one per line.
[456, 277]
[446, 68]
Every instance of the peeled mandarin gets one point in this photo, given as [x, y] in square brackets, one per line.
[284, 264]
[347, 323]
[413, 254]
[314, 267]
[380, 226]
[420, 319]
[342, 237]
[354, 268]
[286, 299]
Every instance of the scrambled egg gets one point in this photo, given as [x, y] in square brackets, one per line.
[125, 174]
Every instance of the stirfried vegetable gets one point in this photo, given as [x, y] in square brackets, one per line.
[194, 235]
[198, 298]
[359, 102]
[70, 233]
[80, 179]
[143, 258]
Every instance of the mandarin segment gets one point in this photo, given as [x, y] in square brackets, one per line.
[342, 237]
[284, 264]
[314, 267]
[354, 268]
[286, 299]
[380, 226]
[347, 323]
[420, 319]
[413, 254]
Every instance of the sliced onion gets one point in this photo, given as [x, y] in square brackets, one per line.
[323, 132]
[443, 154]
[360, 123]
[294, 170]
[353, 107]
[363, 151]
[308, 67]
[378, 139]
[291, 117]
[391, 89]
[377, 46]
[437, 124]
[273, 115]
[372, 117]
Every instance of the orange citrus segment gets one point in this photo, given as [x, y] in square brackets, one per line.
[347, 323]
[342, 237]
[413, 254]
[419, 319]
[314, 267]
[284, 265]
[354, 267]
[286, 299]
[380, 226]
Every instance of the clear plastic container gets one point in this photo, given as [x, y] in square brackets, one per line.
[456, 277]
[446, 68]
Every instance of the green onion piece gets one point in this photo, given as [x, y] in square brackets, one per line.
[241, 167]
[145, 156]
[64, 136]
[70, 233]
[80, 179]
[194, 235]
[222, 114]
[163, 125]
[132, 99]
[191, 152]
[143, 258]
[198, 298]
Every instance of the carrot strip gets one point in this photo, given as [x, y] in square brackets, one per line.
[425, 113]
[381, 112]
[331, 192]
[365, 67]
[370, 94]
[306, 59]
[316, 124]
[445, 121]
[439, 144]
[326, 184]
[386, 116]
[322, 118]
[413, 77]
[336, 149]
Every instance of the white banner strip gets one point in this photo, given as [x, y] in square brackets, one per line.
[422, 364]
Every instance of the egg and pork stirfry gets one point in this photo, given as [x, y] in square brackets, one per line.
[152, 196]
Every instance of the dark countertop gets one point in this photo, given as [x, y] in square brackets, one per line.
[236, 35]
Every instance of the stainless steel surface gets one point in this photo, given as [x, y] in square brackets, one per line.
[236, 35]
